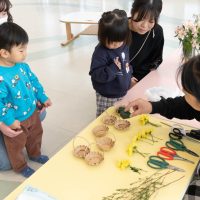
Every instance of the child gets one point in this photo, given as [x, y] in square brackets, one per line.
[19, 92]
[5, 15]
[110, 71]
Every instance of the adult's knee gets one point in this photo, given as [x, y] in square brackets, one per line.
[5, 165]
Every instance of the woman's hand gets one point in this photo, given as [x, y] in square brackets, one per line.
[6, 130]
[139, 106]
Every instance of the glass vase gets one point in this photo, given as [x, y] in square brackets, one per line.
[188, 53]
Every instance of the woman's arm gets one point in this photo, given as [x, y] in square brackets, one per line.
[175, 107]
[171, 107]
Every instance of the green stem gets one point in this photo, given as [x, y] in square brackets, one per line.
[156, 125]
[142, 154]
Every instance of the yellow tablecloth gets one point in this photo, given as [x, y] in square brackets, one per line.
[67, 177]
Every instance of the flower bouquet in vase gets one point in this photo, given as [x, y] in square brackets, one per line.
[189, 36]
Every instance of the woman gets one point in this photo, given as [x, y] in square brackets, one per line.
[186, 107]
[147, 37]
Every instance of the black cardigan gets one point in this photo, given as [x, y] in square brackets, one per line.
[150, 57]
[175, 107]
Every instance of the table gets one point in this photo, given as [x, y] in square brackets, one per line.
[91, 18]
[67, 177]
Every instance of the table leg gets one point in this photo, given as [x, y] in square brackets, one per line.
[69, 34]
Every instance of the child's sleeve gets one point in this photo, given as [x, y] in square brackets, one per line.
[37, 87]
[101, 71]
[6, 110]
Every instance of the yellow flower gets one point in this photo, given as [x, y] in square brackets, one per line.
[148, 131]
[134, 140]
[123, 164]
[143, 134]
[139, 135]
[130, 150]
[144, 119]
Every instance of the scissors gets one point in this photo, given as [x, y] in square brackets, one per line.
[179, 146]
[176, 133]
[157, 162]
[194, 134]
[170, 154]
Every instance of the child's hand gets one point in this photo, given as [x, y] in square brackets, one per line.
[127, 67]
[133, 81]
[47, 103]
[118, 63]
[15, 125]
[40, 107]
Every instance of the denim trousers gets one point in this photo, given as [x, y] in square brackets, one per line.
[4, 161]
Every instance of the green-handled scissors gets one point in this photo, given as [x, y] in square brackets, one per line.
[157, 162]
[179, 146]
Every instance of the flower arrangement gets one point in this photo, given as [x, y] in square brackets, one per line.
[189, 36]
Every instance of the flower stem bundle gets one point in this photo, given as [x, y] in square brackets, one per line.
[143, 189]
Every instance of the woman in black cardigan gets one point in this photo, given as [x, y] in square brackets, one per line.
[147, 44]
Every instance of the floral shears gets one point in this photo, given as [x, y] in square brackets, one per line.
[179, 146]
[170, 154]
[157, 162]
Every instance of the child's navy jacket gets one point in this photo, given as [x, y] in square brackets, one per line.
[107, 79]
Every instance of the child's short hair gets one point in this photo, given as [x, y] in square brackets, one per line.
[146, 8]
[12, 35]
[5, 6]
[113, 27]
[190, 76]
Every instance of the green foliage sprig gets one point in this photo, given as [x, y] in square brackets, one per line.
[143, 189]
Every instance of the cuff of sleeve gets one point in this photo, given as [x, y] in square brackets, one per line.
[154, 107]
[8, 121]
[43, 98]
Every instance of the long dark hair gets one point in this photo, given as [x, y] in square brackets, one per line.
[113, 27]
[146, 8]
[189, 73]
[5, 6]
